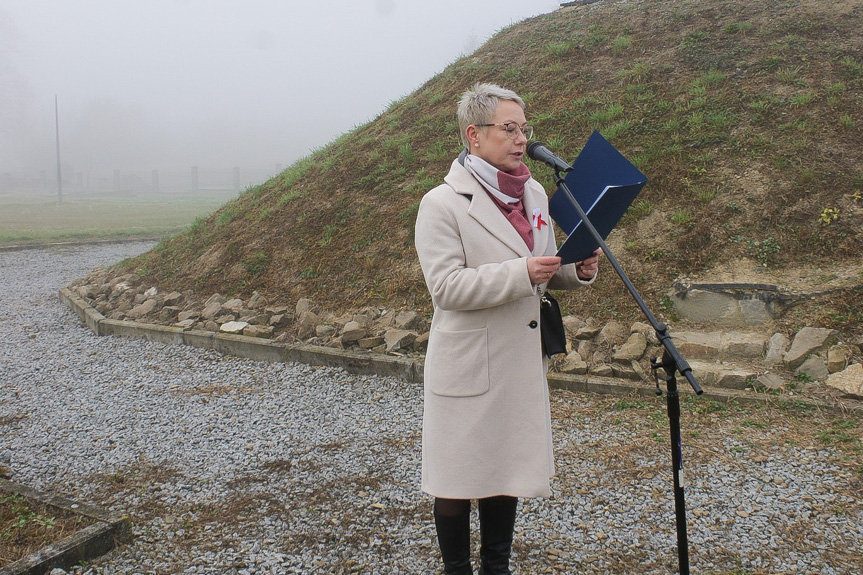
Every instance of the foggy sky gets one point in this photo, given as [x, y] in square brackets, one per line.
[175, 83]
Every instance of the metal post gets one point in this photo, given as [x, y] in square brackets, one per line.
[57, 131]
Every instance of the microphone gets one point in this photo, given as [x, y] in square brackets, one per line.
[537, 151]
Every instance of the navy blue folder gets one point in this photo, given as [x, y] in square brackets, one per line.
[604, 183]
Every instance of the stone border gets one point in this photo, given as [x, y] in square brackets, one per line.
[83, 545]
[244, 346]
[369, 363]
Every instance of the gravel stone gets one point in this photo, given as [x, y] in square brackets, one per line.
[227, 465]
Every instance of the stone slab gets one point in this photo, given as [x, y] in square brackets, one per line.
[849, 381]
[697, 344]
[807, 341]
[705, 372]
[741, 344]
[708, 307]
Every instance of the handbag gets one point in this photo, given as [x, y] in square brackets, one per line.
[551, 325]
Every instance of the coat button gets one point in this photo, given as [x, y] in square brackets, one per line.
[532, 324]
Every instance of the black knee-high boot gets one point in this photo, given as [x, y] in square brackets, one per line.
[496, 526]
[453, 535]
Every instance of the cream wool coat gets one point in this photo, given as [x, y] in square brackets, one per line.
[486, 414]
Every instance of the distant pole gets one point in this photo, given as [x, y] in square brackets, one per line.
[57, 130]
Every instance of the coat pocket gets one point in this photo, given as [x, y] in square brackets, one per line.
[457, 363]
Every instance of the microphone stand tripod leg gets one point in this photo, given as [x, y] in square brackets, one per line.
[672, 400]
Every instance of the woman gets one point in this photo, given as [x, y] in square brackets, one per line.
[486, 249]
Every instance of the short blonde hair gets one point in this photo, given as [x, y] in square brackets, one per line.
[478, 103]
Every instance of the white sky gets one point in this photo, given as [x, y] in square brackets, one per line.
[151, 84]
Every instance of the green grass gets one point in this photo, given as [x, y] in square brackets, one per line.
[558, 49]
[713, 101]
[803, 99]
[606, 114]
[616, 129]
[681, 218]
[622, 44]
[257, 263]
[851, 68]
[639, 209]
[406, 153]
[291, 195]
[737, 27]
[789, 76]
[625, 404]
[27, 218]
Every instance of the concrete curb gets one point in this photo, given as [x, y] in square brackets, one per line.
[42, 246]
[367, 363]
[83, 545]
[243, 346]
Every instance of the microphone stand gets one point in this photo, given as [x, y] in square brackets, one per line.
[671, 362]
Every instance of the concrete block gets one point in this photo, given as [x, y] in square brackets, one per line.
[82, 309]
[353, 361]
[249, 347]
[136, 330]
[199, 338]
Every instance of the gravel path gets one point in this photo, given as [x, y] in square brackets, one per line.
[234, 466]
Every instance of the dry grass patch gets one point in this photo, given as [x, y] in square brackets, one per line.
[26, 526]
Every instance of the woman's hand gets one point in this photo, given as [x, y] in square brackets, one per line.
[586, 269]
[541, 268]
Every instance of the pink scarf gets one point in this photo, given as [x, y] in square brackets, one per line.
[507, 190]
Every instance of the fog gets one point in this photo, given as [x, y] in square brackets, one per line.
[256, 84]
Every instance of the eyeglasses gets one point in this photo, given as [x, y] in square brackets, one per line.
[512, 129]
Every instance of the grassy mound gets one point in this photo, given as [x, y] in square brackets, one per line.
[744, 115]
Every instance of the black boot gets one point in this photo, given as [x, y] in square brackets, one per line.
[496, 526]
[453, 535]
